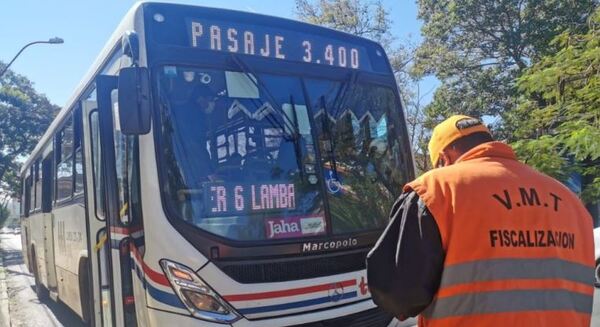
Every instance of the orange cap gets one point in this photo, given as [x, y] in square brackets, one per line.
[450, 130]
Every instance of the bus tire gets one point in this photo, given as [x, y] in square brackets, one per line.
[40, 290]
[30, 259]
[86, 291]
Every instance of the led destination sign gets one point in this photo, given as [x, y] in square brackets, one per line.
[235, 199]
[276, 43]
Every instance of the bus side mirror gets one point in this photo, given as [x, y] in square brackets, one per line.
[134, 101]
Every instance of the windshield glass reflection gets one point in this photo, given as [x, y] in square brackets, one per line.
[234, 165]
[248, 157]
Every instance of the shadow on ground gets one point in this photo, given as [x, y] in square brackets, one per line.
[11, 257]
[12, 260]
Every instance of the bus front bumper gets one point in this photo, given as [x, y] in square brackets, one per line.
[162, 318]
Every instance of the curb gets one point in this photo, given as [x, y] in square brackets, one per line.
[4, 312]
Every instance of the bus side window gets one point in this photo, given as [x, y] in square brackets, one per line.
[127, 173]
[46, 167]
[38, 184]
[22, 206]
[64, 157]
[26, 195]
[78, 166]
[123, 157]
[97, 164]
[31, 200]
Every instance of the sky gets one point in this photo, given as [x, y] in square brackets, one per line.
[56, 70]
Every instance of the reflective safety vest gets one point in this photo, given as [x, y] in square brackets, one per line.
[519, 245]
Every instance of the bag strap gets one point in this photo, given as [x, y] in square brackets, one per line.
[405, 209]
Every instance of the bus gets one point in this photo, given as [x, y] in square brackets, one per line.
[217, 167]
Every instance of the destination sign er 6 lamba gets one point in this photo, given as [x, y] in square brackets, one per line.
[231, 198]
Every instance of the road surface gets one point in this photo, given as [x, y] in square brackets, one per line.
[24, 307]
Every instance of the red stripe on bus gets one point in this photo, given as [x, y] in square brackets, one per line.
[290, 292]
[155, 276]
[129, 300]
[125, 230]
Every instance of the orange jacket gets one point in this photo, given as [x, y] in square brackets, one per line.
[519, 245]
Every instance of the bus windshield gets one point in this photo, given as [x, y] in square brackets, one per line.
[260, 157]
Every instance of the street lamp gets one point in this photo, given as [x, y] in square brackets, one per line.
[54, 40]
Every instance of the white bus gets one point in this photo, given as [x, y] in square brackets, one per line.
[215, 168]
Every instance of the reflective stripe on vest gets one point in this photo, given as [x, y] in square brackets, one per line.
[512, 300]
[509, 301]
[516, 268]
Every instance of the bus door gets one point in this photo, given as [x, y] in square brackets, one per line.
[47, 172]
[122, 223]
[101, 311]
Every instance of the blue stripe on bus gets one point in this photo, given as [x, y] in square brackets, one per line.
[174, 301]
[165, 297]
[161, 296]
[293, 305]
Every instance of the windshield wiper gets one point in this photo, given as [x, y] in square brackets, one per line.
[338, 102]
[340, 97]
[256, 80]
[327, 130]
[297, 149]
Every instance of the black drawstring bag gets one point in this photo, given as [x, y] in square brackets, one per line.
[404, 267]
[382, 263]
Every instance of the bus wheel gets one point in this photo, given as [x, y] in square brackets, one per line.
[40, 290]
[30, 259]
[85, 287]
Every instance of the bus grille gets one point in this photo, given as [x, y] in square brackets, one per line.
[293, 269]
[370, 318]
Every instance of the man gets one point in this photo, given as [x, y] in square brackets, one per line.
[195, 121]
[196, 127]
[484, 240]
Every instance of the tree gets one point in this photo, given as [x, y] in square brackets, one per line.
[418, 132]
[477, 48]
[367, 19]
[24, 116]
[370, 19]
[557, 121]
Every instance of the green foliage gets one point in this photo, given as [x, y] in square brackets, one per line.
[543, 153]
[559, 110]
[370, 19]
[366, 19]
[24, 116]
[477, 48]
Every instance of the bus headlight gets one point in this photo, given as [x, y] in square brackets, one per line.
[196, 295]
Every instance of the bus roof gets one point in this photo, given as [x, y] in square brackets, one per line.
[236, 14]
[127, 23]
